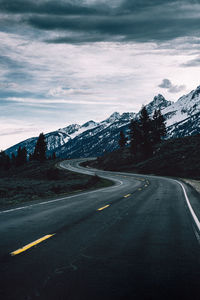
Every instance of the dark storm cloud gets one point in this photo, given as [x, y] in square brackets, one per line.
[172, 88]
[78, 39]
[45, 7]
[141, 20]
[127, 29]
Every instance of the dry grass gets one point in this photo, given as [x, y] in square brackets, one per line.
[42, 181]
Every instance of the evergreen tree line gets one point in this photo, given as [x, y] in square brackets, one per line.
[144, 134]
[21, 158]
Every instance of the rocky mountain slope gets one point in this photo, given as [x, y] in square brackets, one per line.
[94, 139]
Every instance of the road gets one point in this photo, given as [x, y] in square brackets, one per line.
[134, 240]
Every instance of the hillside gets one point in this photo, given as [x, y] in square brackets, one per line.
[178, 157]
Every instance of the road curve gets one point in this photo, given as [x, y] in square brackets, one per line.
[137, 239]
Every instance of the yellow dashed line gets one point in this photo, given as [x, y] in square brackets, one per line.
[99, 209]
[31, 244]
[126, 196]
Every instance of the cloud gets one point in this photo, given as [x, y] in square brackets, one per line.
[62, 61]
[140, 28]
[46, 7]
[62, 91]
[192, 63]
[13, 131]
[167, 84]
[8, 85]
[94, 21]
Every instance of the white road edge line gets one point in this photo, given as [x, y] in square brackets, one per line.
[189, 205]
[64, 198]
[115, 180]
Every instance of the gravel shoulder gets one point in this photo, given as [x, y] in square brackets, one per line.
[194, 183]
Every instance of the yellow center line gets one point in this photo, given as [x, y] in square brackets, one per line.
[126, 196]
[99, 209]
[31, 244]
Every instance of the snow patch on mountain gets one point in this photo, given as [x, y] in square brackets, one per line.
[114, 117]
[93, 139]
[85, 127]
[159, 102]
[185, 107]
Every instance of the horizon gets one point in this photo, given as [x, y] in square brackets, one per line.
[69, 62]
[95, 121]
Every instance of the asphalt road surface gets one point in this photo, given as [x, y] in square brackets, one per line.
[136, 239]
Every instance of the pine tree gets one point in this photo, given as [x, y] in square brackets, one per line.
[13, 160]
[7, 162]
[54, 155]
[145, 133]
[161, 125]
[40, 148]
[147, 130]
[24, 156]
[21, 157]
[123, 140]
[30, 157]
[159, 128]
[135, 137]
[3, 160]
[18, 157]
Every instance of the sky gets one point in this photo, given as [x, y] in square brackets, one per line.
[70, 61]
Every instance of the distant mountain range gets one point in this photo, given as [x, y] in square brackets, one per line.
[94, 139]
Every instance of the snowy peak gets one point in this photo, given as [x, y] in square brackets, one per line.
[159, 99]
[188, 104]
[186, 107]
[70, 129]
[193, 96]
[114, 117]
[196, 93]
[93, 139]
[128, 116]
[89, 124]
[159, 102]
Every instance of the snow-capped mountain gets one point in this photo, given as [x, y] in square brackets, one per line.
[94, 139]
[183, 116]
[159, 102]
[55, 139]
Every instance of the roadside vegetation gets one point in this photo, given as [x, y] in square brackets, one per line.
[175, 157]
[146, 151]
[35, 181]
[24, 179]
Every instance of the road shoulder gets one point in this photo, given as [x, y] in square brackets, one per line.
[194, 183]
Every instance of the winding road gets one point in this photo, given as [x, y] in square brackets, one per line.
[138, 239]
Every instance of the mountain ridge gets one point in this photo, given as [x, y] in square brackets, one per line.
[95, 138]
